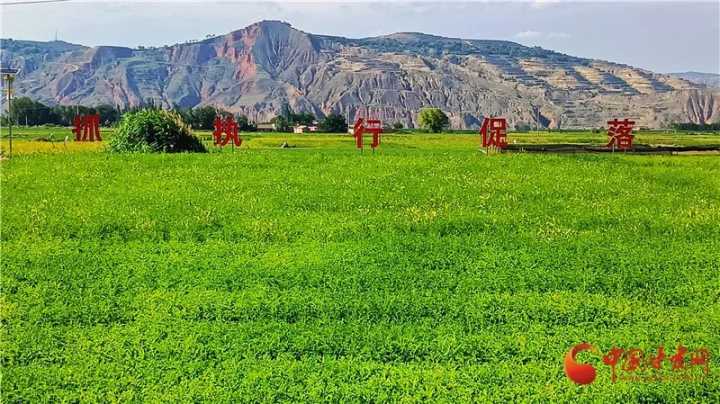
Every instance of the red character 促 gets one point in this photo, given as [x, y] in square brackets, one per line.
[494, 132]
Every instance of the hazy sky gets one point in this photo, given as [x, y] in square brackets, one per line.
[660, 36]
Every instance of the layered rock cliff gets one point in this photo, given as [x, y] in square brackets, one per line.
[258, 69]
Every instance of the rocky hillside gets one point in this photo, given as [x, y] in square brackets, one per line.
[707, 79]
[259, 68]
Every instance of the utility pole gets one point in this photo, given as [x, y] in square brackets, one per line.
[8, 75]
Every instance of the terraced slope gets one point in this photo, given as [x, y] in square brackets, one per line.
[256, 70]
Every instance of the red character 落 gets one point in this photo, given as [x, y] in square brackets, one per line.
[656, 361]
[620, 134]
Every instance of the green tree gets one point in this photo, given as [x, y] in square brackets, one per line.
[334, 123]
[287, 118]
[154, 130]
[109, 115]
[433, 119]
[398, 126]
[244, 124]
[26, 111]
[282, 124]
[203, 117]
[302, 118]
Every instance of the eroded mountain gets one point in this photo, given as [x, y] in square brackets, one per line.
[256, 70]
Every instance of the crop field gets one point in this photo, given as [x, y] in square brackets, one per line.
[51, 140]
[425, 271]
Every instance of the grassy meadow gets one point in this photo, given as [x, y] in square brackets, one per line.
[425, 271]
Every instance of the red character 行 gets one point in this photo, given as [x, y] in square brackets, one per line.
[87, 128]
[620, 134]
[494, 132]
[373, 126]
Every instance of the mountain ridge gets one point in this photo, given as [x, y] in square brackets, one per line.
[258, 69]
[707, 79]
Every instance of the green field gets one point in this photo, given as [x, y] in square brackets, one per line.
[425, 271]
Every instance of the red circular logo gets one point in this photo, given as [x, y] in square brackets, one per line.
[580, 373]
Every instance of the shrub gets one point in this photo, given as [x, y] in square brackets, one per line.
[433, 119]
[154, 130]
[334, 123]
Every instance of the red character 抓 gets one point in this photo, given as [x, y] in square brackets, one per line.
[87, 128]
[633, 357]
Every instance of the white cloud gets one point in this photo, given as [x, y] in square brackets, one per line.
[558, 35]
[530, 34]
[539, 4]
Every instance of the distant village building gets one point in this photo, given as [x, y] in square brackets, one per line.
[266, 127]
[305, 128]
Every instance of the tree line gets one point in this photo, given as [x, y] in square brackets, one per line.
[26, 111]
[696, 126]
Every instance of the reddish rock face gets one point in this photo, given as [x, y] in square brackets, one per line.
[237, 48]
[258, 69]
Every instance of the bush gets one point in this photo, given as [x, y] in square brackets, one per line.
[334, 123]
[154, 130]
[433, 119]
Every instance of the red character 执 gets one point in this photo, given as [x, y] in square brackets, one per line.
[226, 126]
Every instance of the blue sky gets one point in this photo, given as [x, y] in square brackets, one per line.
[660, 36]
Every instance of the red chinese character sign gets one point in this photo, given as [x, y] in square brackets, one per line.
[87, 128]
[494, 132]
[620, 134]
[229, 128]
[635, 365]
[373, 126]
